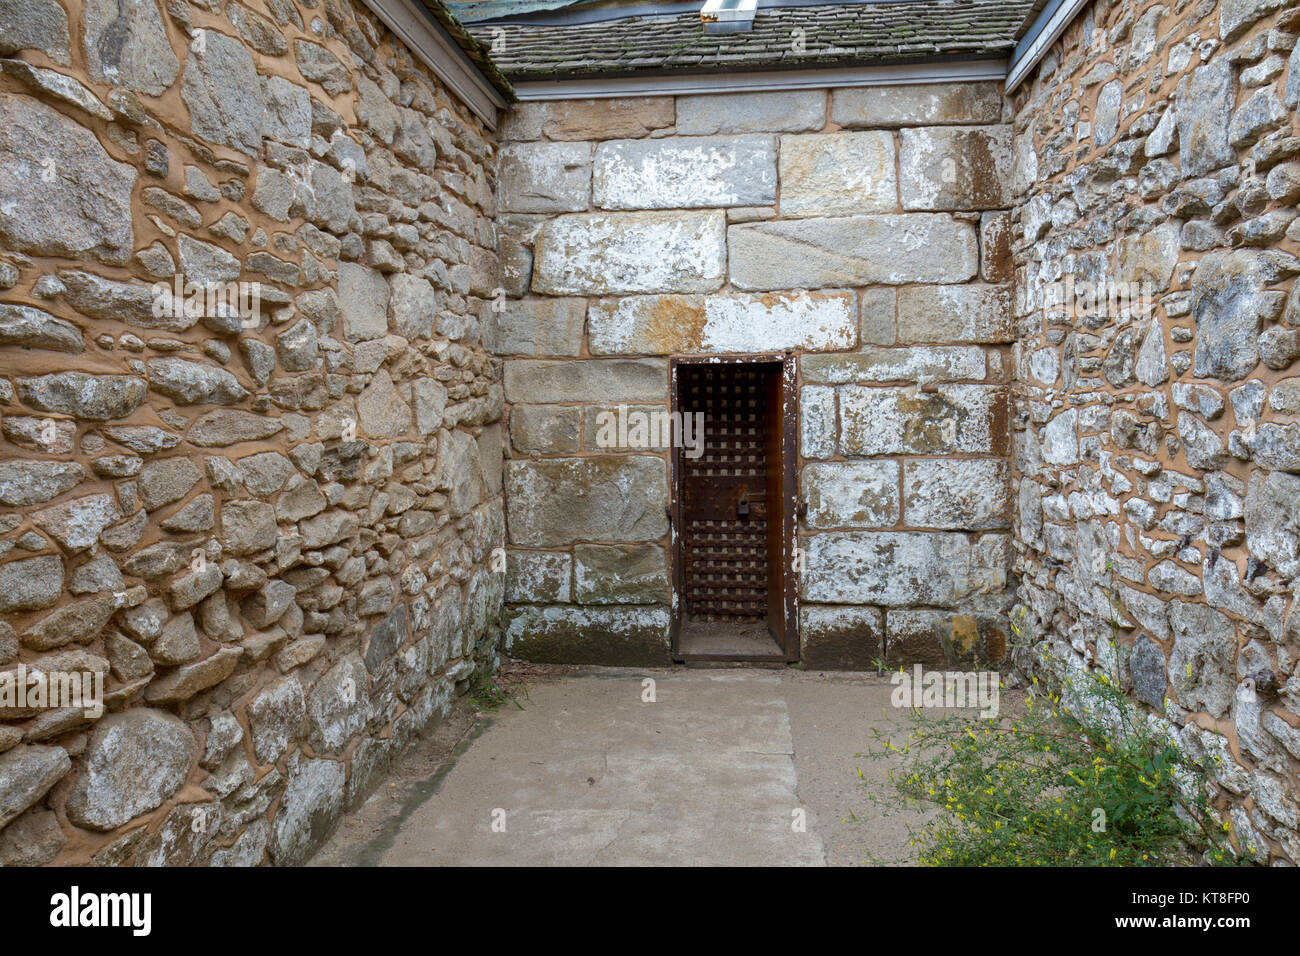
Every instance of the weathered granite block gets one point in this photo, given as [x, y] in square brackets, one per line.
[838, 174]
[665, 324]
[943, 639]
[996, 263]
[959, 313]
[586, 380]
[876, 308]
[647, 424]
[784, 111]
[851, 250]
[895, 421]
[557, 501]
[619, 636]
[818, 425]
[533, 327]
[895, 568]
[538, 576]
[960, 494]
[955, 167]
[620, 574]
[599, 119]
[942, 363]
[685, 173]
[545, 177]
[841, 638]
[927, 104]
[854, 494]
[545, 429]
[610, 253]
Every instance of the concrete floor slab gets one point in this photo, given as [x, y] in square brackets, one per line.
[716, 770]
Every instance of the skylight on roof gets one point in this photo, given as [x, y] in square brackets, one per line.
[728, 16]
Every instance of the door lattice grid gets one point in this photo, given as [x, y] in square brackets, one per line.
[724, 550]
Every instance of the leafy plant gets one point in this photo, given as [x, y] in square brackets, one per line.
[1094, 783]
[489, 695]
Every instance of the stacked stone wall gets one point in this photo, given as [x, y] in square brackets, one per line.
[864, 231]
[268, 530]
[1157, 444]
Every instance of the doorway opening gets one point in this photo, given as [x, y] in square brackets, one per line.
[733, 510]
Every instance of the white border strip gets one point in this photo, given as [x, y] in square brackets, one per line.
[436, 49]
[1047, 34]
[964, 71]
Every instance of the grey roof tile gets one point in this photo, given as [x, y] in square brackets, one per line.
[839, 34]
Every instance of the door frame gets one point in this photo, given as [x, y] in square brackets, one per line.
[788, 503]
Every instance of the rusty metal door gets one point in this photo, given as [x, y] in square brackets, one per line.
[731, 533]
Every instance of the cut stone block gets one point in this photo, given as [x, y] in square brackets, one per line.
[838, 174]
[854, 494]
[898, 421]
[538, 577]
[958, 494]
[851, 251]
[557, 501]
[924, 104]
[619, 636]
[545, 429]
[894, 568]
[955, 167]
[667, 324]
[586, 380]
[545, 177]
[841, 638]
[785, 111]
[943, 363]
[533, 327]
[818, 425]
[610, 253]
[965, 313]
[685, 173]
[598, 119]
[620, 574]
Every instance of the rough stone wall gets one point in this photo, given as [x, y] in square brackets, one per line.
[864, 230]
[271, 533]
[1158, 449]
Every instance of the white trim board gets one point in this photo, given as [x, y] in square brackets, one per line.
[1051, 23]
[436, 49]
[962, 71]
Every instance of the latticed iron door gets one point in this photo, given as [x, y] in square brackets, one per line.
[733, 507]
[724, 493]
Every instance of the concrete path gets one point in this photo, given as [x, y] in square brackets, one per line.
[718, 769]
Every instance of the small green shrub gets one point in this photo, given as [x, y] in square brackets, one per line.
[488, 694]
[1096, 784]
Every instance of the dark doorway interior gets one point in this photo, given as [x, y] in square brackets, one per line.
[731, 509]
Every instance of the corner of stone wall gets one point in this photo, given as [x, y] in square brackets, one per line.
[1156, 432]
[251, 467]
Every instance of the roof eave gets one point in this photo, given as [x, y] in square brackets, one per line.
[1044, 30]
[456, 57]
[669, 82]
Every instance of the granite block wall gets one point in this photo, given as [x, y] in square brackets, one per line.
[865, 232]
